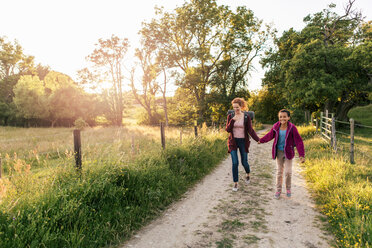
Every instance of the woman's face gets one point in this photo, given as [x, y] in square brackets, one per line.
[237, 108]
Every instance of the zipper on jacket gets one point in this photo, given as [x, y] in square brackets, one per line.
[275, 141]
[285, 141]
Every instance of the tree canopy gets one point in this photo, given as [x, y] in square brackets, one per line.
[207, 50]
[319, 66]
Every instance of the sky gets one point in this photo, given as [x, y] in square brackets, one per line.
[61, 34]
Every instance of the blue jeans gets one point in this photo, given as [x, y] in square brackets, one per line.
[240, 142]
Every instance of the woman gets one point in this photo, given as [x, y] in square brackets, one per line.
[239, 126]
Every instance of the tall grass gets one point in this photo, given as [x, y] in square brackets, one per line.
[51, 147]
[57, 206]
[343, 191]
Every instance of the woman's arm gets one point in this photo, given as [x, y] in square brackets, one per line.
[251, 131]
[229, 124]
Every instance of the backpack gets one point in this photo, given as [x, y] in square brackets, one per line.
[246, 113]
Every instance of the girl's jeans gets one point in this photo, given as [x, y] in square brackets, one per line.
[240, 142]
[283, 164]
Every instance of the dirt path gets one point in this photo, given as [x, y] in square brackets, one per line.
[211, 215]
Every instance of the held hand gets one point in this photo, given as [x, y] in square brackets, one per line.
[302, 159]
[258, 142]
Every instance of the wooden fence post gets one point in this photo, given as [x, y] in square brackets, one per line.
[162, 134]
[352, 141]
[334, 140]
[321, 122]
[312, 120]
[196, 128]
[316, 125]
[181, 136]
[77, 148]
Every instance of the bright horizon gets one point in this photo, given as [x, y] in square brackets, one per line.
[61, 34]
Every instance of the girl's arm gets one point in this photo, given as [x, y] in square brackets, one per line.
[269, 136]
[229, 124]
[251, 131]
[299, 143]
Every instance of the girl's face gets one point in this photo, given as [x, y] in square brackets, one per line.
[237, 108]
[283, 118]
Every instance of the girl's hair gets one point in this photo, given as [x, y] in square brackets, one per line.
[242, 103]
[285, 111]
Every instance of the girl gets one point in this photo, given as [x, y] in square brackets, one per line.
[239, 126]
[286, 137]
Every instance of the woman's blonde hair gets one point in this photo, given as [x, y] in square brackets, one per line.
[242, 103]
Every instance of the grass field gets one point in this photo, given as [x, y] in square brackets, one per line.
[343, 191]
[50, 147]
[362, 114]
[46, 202]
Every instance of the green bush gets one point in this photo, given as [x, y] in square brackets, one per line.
[80, 123]
[306, 131]
[143, 118]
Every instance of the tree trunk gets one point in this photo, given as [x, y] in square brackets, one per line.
[342, 110]
[201, 104]
[165, 110]
[165, 99]
[120, 116]
[328, 106]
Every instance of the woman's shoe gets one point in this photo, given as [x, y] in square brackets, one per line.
[235, 188]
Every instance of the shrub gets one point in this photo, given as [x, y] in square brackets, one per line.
[80, 124]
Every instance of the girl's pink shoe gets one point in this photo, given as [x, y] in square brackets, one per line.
[289, 194]
[277, 194]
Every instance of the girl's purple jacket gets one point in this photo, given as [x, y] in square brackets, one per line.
[292, 139]
[231, 144]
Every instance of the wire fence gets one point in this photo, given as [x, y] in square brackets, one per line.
[328, 131]
[66, 146]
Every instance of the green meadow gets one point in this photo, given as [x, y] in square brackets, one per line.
[343, 191]
[46, 202]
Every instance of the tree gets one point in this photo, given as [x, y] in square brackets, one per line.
[244, 42]
[315, 69]
[190, 36]
[265, 104]
[158, 60]
[29, 98]
[13, 64]
[182, 108]
[55, 99]
[201, 39]
[68, 103]
[150, 72]
[107, 61]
